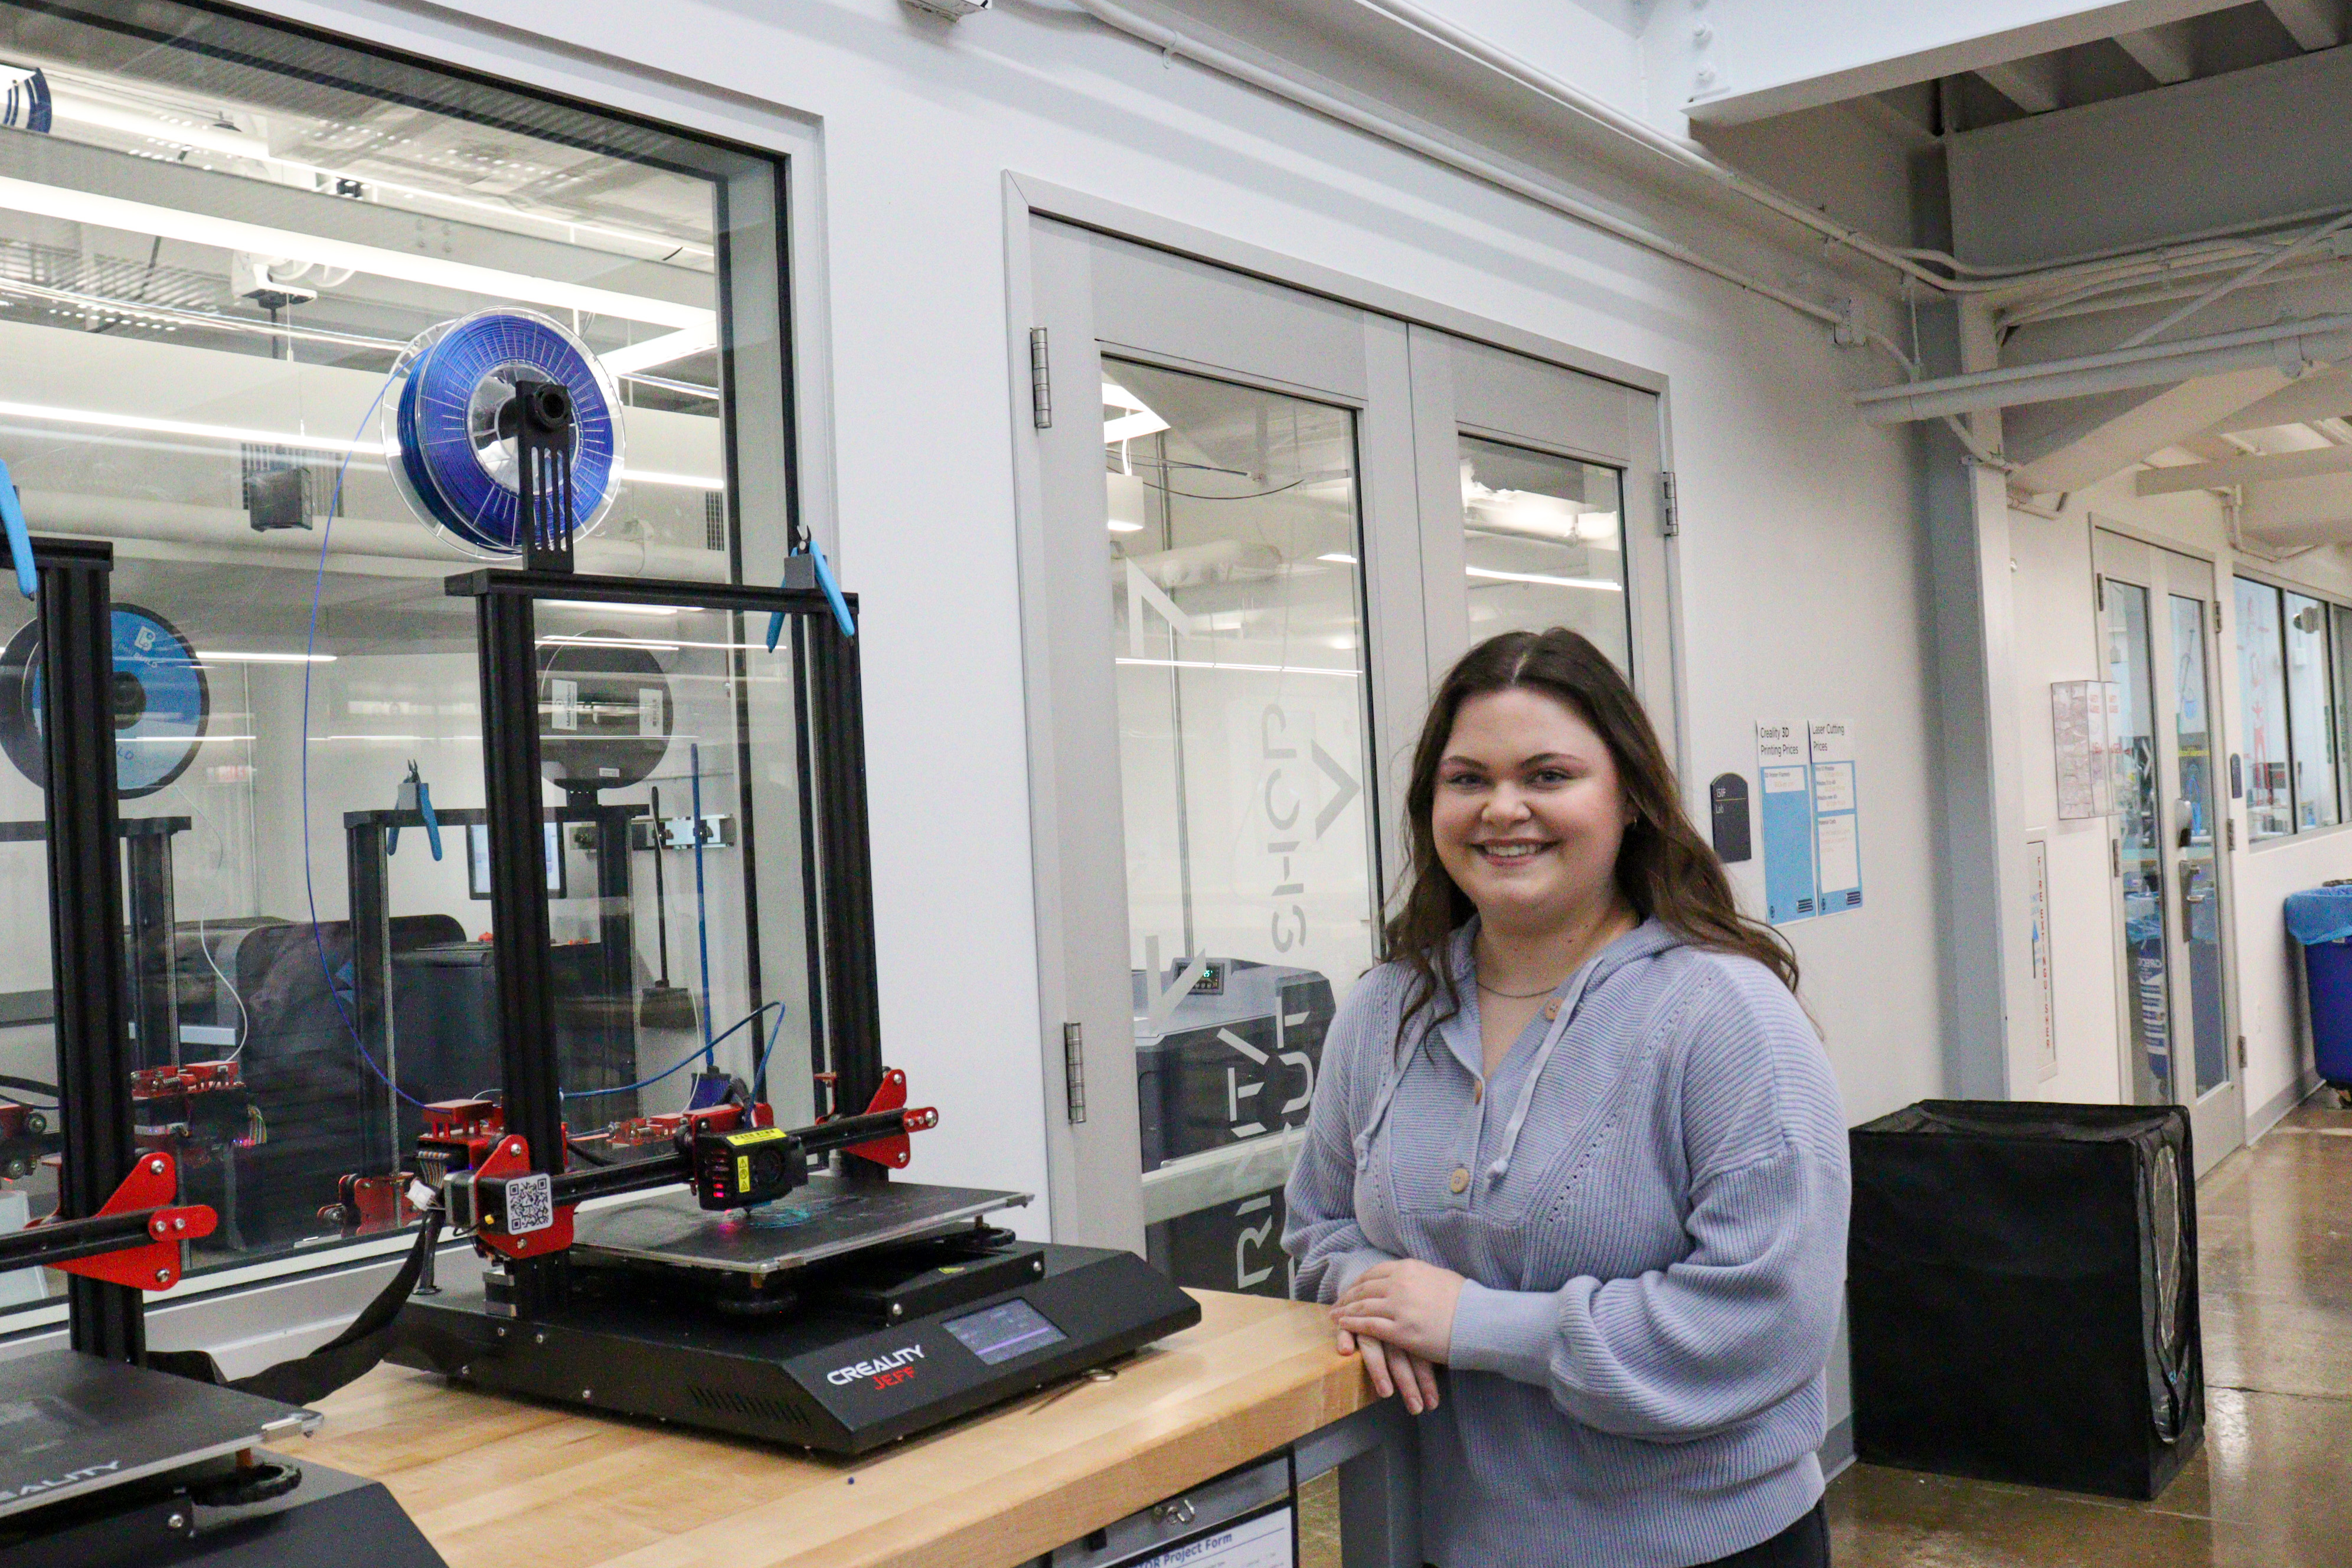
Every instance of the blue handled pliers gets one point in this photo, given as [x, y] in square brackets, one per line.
[415, 796]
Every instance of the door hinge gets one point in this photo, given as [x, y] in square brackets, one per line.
[1074, 1070]
[2217, 617]
[1670, 510]
[2230, 826]
[1040, 381]
[2116, 859]
[2099, 593]
[2242, 1050]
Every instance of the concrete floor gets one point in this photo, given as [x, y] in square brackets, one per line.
[2272, 1488]
[2274, 1485]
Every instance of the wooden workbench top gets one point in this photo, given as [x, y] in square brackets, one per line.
[497, 1483]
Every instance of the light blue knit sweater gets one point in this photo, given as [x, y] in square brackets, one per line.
[1656, 1263]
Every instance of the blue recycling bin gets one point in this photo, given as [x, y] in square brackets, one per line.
[2321, 919]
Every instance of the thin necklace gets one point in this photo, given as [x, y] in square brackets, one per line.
[1518, 996]
[1523, 995]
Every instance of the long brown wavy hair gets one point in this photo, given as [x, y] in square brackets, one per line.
[1665, 868]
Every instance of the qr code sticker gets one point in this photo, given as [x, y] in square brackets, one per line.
[531, 1205]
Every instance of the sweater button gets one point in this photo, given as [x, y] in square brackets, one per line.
[1552, 1010]
[1460, 1180]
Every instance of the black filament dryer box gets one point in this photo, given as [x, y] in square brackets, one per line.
[2021, 1294]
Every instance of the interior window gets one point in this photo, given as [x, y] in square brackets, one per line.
[262, 298]
[2262, 702]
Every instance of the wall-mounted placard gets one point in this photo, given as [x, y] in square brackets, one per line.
[2082, 733]
[1837, 816]
[1726, 803]
[1785, 809]
[2037, 929]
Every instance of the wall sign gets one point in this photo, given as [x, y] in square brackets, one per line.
[2037, 916]
[2082, 716]
[1837, 816]
[1785, 805]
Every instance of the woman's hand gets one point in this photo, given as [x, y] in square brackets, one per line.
[1393, 1370]
[1406, 1309]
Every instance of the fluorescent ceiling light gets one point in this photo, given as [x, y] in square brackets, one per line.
[1601, 583]
[684, 481]
[663, 350]
[230, 234]
[616, 609]
[172, 740]
[1337, 558]
[170, 130]
[670, 645]
[222, 656]
[287, 438]
[1118, 527]
[1245, 668]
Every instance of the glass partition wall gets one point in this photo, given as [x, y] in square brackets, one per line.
[229, 255]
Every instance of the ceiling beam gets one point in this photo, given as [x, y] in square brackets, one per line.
[2166, 53]
[2320, 395]
[2034, 85]
[2314, 23]
[2115, 444]
[2248, 471]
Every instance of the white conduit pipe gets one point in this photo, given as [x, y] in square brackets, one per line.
[1169, 41]
[2292, 348]
[1689, 154]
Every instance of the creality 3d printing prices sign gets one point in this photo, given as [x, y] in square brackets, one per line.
[1810, 827]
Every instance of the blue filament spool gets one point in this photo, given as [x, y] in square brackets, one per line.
[161, 703]
[453, 467]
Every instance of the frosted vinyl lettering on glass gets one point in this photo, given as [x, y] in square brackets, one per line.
[2193, 817]
[2262, 699]
[1543, 545]
[224, 253]
[1238, 630]
[2311, 722]
[2140, 848]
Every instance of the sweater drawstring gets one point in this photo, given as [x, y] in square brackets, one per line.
[1387, 1096]
[1560, 1023]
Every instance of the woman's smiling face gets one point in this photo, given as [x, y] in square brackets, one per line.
[1528, 811]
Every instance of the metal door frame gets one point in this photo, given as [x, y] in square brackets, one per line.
[2154, 575]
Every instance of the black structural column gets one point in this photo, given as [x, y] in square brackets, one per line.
[86, 945]
[369, 874]
[853, 999]
[155, 1000]
[527, 1054]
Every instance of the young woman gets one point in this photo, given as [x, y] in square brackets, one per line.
[1575, 1177]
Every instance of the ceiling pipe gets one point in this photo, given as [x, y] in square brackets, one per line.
[1688, 155]
[1170, 41]
[1905, 260]
[2292, 348]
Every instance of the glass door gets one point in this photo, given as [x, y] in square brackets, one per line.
[2160, 620]
[1203, 595]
